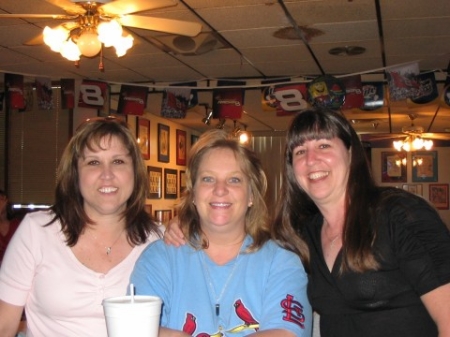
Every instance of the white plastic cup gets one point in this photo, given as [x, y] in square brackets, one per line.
[125, 318]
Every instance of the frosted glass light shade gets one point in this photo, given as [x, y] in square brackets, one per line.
[89, 44]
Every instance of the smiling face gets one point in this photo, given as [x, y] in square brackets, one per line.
[321, 168]
[221, 192]
[106, 178]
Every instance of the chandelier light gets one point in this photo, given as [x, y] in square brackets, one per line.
[413, 143]
[88, 40]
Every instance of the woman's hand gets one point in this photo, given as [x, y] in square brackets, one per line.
[173, 234]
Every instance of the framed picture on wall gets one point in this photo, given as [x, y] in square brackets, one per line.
[438, 195]
[163, 143]
[143, 137]
[413, 188]
[182, 181]
[181, 147]
[194, 139]
[170, 184]
[393, 167]
[425, 166]
[155, 182]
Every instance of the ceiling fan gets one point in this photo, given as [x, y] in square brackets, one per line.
[409, 133]
[86, 18]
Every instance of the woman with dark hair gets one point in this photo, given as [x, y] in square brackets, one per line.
[379, 257]
[62, 263]
[231, 279]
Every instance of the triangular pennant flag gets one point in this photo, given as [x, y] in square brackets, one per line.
[402, 81]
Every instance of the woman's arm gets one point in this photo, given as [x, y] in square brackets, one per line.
[166, 332]
[173, 234]
[9, 319]
[437, 303]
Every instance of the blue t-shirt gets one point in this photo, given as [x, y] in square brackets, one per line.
[254, 292]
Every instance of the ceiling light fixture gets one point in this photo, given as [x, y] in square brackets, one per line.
[347, 51]
[88, 39]
[207, 119]
[243, 135]
[413, 143]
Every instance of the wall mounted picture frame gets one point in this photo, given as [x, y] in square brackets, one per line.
[392, 168]
[181, 147]
[170, 184]
[182, 181]
[143, 137]
[155, 182]
[438, 195]
[414, 188]
[163, 215]
[426, 168]
[194, 139]
[163, 143]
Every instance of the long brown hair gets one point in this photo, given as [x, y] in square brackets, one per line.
[297, 208]
[68, 207]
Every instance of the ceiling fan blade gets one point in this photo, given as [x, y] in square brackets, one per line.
[435, 135]
[68, 6]
[38, 16]
[373, 137]
[122, 7]
[170, 26]
[38, 40]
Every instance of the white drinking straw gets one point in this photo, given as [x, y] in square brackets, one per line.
[132, 292]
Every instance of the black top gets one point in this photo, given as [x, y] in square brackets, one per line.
[413, 250]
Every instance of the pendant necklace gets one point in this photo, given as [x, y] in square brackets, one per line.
[209, 279]
[332, 240]
[109, 248]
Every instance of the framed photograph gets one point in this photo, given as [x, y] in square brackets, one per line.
[163, 143]
[143, 137]
[148, 209]
[426, 166]
[413, 188]
[181, 147]
[439, 195]
[171, 184]
[163, 215]
[182, 181]
[393, 168]
[194, 139]
[155, 182]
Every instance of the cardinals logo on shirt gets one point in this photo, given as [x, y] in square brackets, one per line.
[292, 312]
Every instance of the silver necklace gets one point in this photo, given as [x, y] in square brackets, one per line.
[225, 286]
[109, 248]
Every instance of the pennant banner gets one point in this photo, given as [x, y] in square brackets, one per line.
[326, 91]
[285, 99]
[228, 103]
[44, 93]
[93, 94]
[373, 93]
[132, 100]
[354, 97]
[175, 102]
[428, 90]
[67, 93]
[402, 81]
[14, 91]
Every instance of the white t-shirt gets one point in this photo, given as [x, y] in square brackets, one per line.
[62, 297]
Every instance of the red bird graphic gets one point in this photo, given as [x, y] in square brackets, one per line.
[189, 325]
[244, 314]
